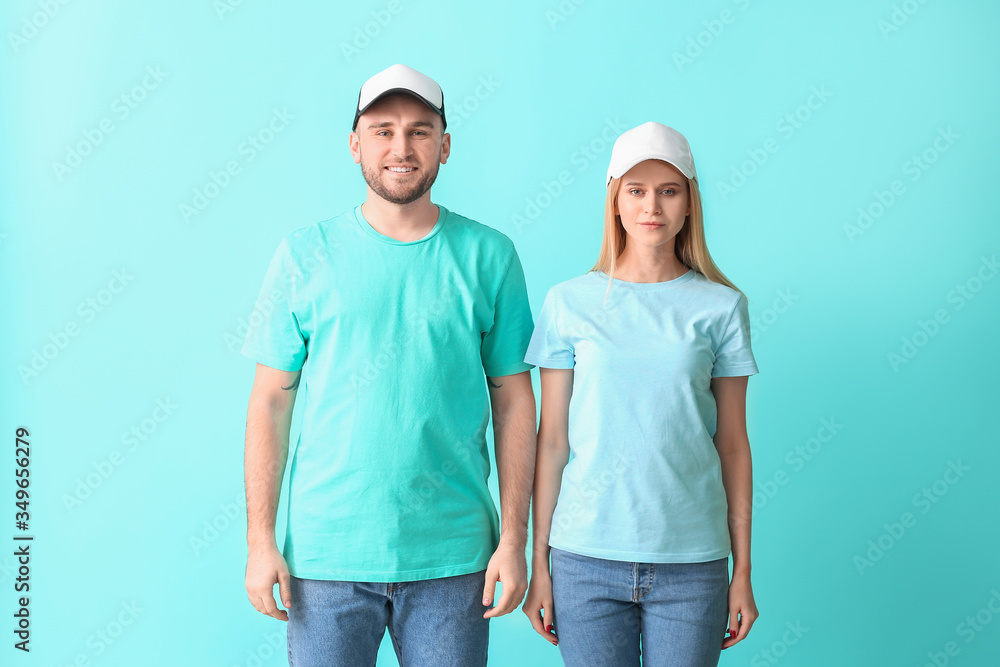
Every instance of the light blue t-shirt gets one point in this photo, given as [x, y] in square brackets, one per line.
[395, 340]
[644, 481]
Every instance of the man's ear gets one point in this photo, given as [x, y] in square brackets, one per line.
[354, 144]
[445, 147]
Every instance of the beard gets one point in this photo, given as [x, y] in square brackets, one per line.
[398, 193]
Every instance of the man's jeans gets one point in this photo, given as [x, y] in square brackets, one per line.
[433, 622]
[600, 607]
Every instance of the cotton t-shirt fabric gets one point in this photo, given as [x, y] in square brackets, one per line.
[644, 481]
[388, 480]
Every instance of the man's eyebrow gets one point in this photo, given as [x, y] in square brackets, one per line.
[389, 123]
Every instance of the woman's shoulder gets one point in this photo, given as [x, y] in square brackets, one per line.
[574, 286]
[706, 288]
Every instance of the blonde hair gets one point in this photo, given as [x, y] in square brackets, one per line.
[689, 244]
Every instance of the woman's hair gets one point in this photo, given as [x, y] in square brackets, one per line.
[689, 245]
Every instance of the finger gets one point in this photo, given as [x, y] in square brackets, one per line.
[490, 587]
[731, 631]
[271, 608]
[285, 588]
[745, 624]
[506, 603]
[533, 613]
[547, 622]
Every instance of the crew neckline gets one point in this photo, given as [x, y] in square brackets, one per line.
[375, 234]
[673, 282]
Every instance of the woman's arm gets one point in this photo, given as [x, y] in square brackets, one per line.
[551, 456]
[733, 445]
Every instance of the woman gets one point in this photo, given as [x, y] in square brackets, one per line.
[653, 345]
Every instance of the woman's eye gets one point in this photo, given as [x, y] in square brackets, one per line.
[669, 191]
[634, 191]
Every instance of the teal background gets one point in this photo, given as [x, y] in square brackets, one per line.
[829, 308]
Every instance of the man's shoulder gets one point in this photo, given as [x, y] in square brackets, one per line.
[472, 231]
[305, 240]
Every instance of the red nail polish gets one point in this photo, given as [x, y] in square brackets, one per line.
[548, 628]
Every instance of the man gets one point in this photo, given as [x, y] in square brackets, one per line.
[406, 324]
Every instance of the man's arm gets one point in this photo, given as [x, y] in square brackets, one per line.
[513, 404]
[269, 417]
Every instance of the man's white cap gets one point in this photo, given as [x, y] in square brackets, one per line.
[400, 79]
[651, 141]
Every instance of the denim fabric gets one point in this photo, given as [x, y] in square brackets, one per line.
[607, 613]
[435, 622]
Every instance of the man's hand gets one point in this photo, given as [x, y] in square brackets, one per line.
[265, 568]
[509, 566]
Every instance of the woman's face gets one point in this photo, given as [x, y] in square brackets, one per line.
[652, 202]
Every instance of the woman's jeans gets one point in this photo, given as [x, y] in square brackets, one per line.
[435, 622]
[601, 608]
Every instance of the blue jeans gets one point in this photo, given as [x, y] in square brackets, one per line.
[432, 622]
[603, 608]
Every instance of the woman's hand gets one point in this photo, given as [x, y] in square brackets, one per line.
[539, 599]
[741, 603]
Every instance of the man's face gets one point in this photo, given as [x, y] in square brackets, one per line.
[399, 144]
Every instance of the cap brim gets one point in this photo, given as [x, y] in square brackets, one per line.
[693, 177]
[391, 91]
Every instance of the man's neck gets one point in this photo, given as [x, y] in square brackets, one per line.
[403, 222]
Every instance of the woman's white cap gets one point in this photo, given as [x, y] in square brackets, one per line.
[651, 141]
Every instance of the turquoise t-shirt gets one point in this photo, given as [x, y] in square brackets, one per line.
[388, 480]
[644, 481]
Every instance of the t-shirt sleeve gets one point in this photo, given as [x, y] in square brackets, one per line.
[547, 348]
[733, 356]
[504, 344]
[273, 335]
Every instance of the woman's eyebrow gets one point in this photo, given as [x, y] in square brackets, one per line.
[661, 184]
